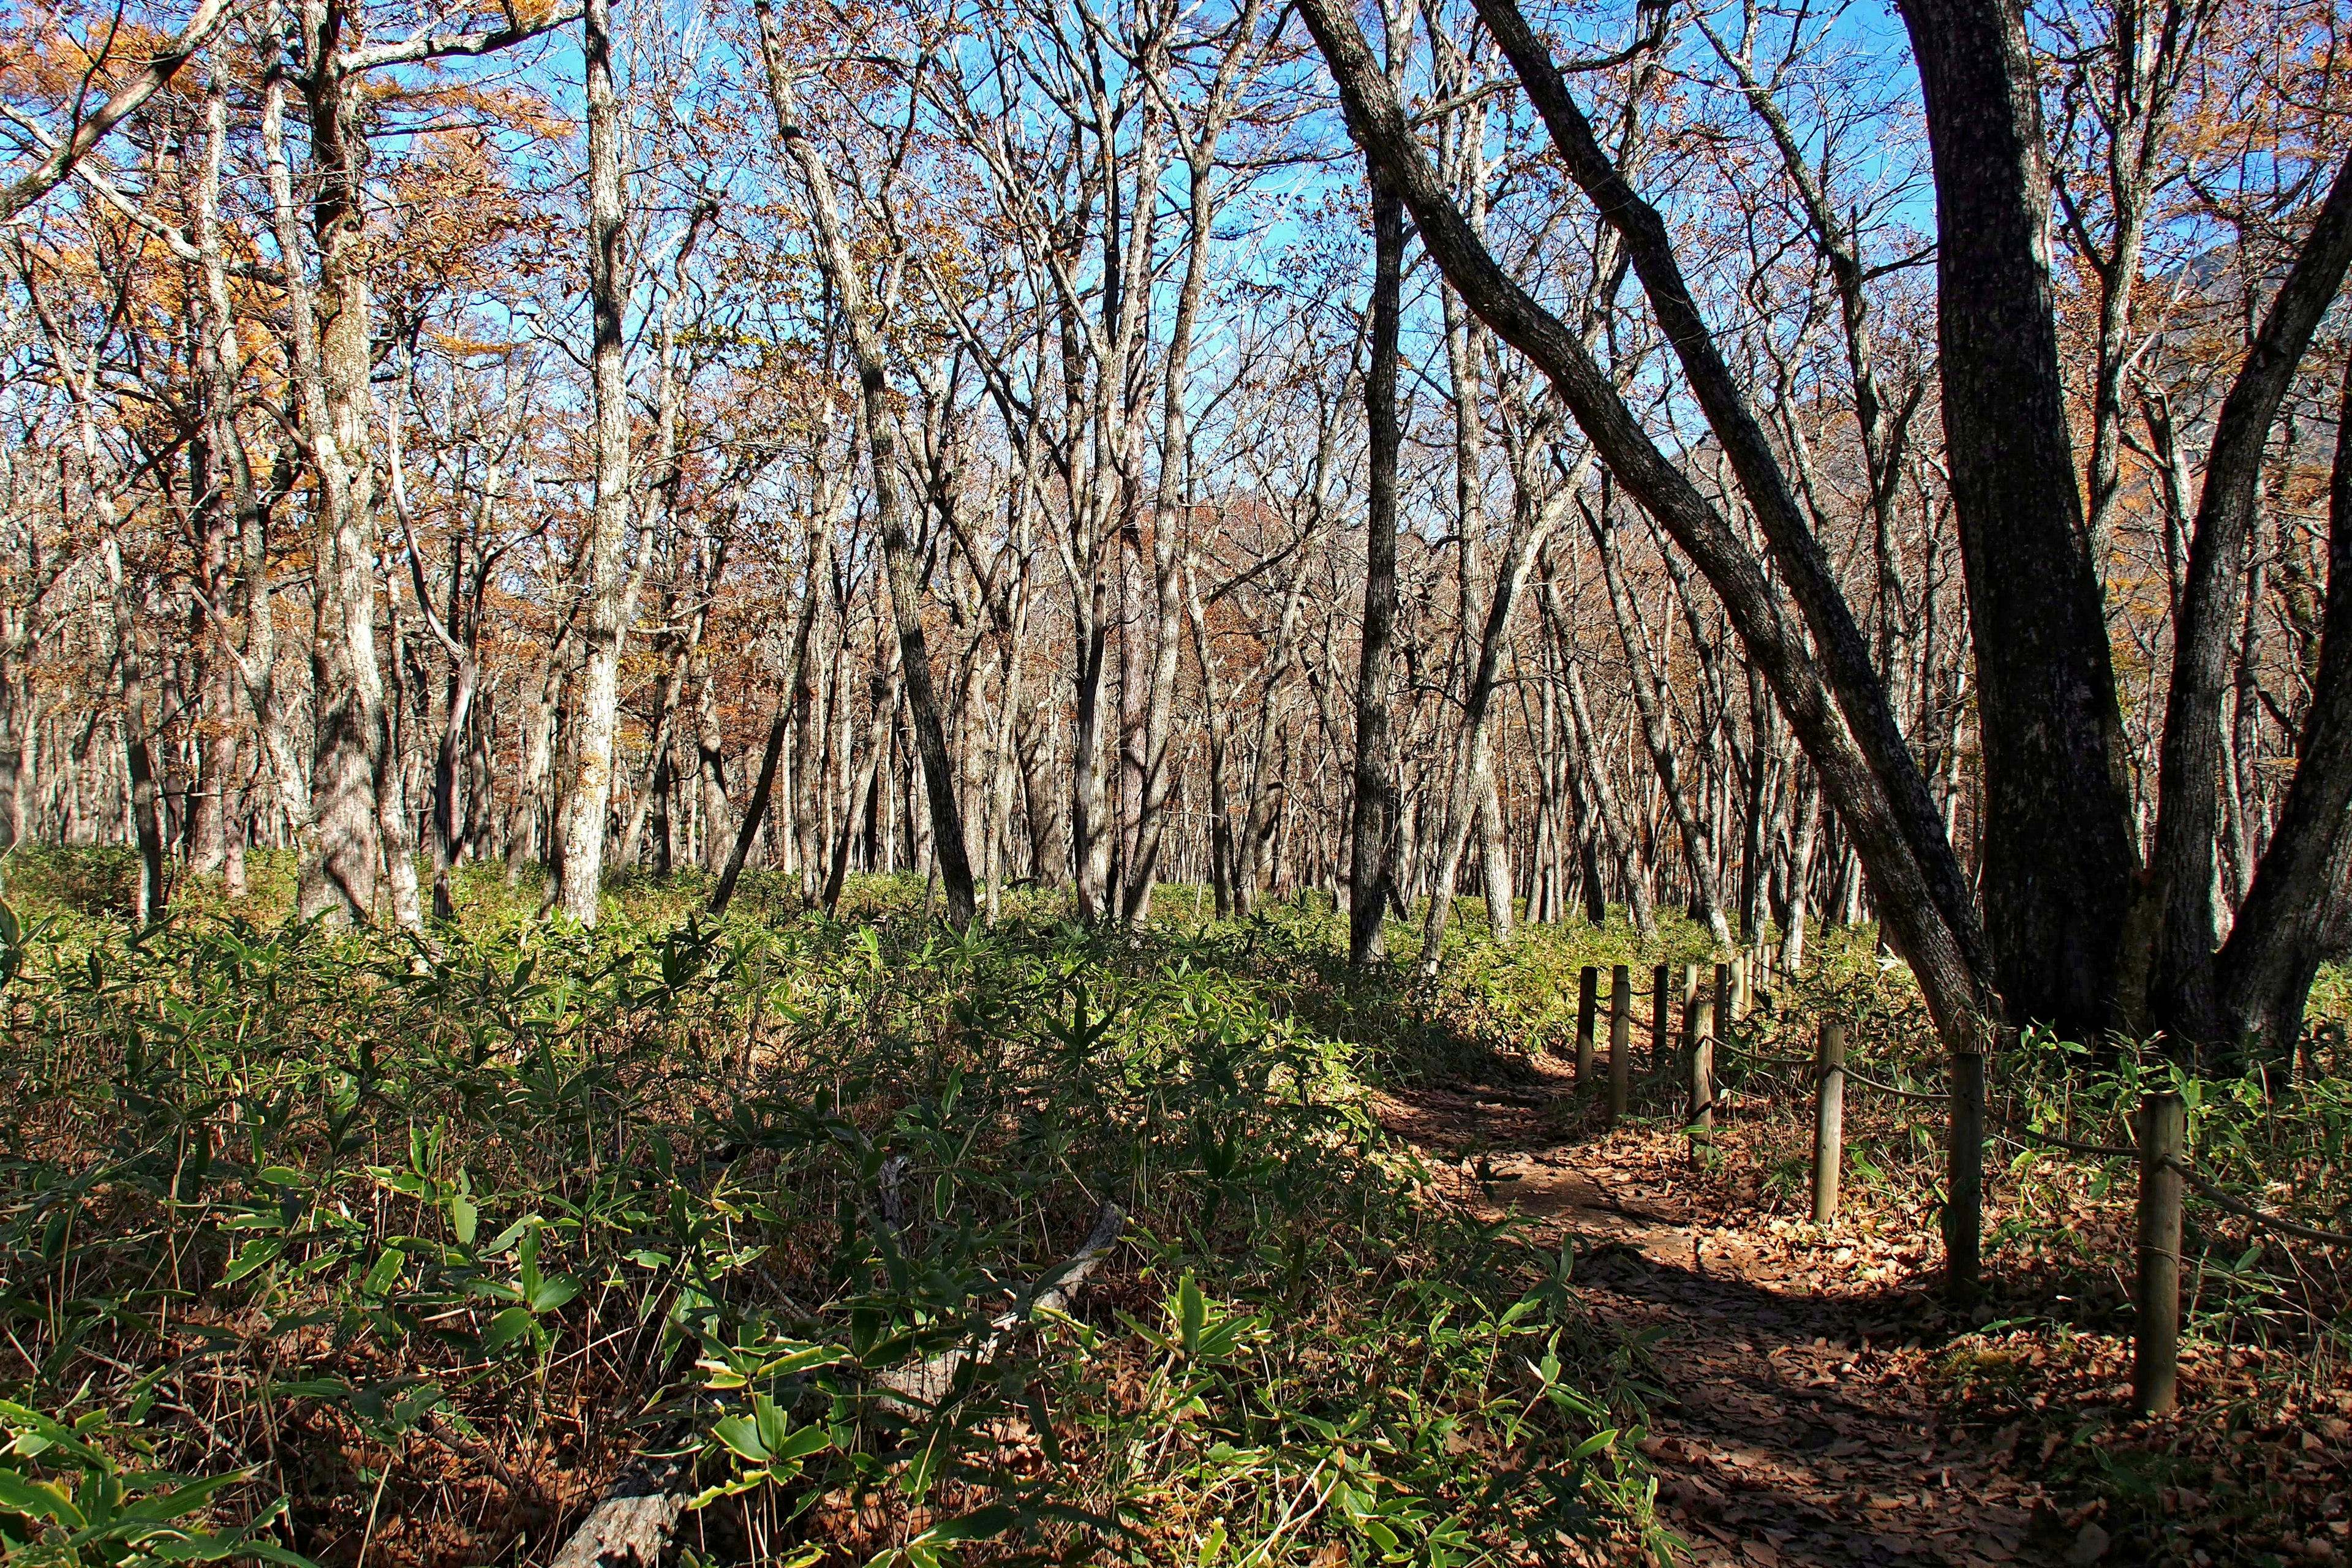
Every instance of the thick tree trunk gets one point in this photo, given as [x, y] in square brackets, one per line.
[331, 366]
[2059, 856]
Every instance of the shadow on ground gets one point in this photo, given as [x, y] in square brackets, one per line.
[1794, 1423]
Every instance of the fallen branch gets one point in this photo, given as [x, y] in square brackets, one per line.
[634, 1522]
[927, 1384]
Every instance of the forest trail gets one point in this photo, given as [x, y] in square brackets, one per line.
[1799, 1427]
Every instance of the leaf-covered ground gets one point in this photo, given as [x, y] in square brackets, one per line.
[1819, 1402]
[356, 1250]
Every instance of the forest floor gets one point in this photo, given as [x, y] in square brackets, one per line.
[1807, 1412]
[442, 1224]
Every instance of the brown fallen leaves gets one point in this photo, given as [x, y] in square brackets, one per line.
[1819, 1402]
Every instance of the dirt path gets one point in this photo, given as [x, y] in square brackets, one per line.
[1799, 1428]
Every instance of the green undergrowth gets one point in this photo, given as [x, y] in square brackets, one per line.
[355, 1248]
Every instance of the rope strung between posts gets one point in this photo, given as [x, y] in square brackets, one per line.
[2032, 1136]
[1854, 1076]
[2095, 1150]
[2207, 1190]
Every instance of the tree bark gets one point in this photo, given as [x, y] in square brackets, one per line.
[1373, 827]
[2283, 930]
[2206, 626]
[331, 366]
[839, 265]
[2059, 857]
[608, 579]
[1376, 117]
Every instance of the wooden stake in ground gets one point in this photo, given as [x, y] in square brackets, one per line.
[1702, 1077]
[1620, 1041]
[1662, 1016]
[1828, 1120]
[2155, 1336]
[1964, 1201]
[1588, 987]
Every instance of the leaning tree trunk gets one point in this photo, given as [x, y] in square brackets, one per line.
[2267, 968]
[1877, 791]
[2191, 781]
[839, 264]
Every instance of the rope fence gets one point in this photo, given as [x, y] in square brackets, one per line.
[2159, 1147]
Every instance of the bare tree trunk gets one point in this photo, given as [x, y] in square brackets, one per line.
[1800, 873]
[886, 687]
[1698, 852]
[1373, 827]
[395, 821]
[608, 580]
[1219, 726]
[130, 660]
[1625, 840]
[791, 703]
[2206, 627]
[536, 767]
[1474, 789]
[1168, 626]
[840, 267]
[331, 366]
[131, 677]
[2283, 930]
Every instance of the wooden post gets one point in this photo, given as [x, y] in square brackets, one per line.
[1724, 989]
[2155, 1337]
[1702, 1077]
[1829, 1119]
[1620, 1041]
[1662, 1017]
[1690, 1007]
[1964, 1200]
[1743, 983]
[1588, 986]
